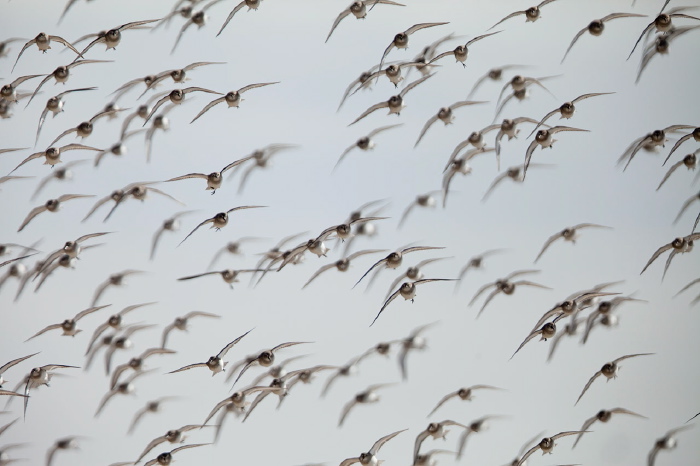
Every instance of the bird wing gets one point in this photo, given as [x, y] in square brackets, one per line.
[443, 401]
[427, 126]
[225, 349]
[528, 155]
[386, 303]
[548, 243]
[190, 366]
[410, 86]
[33, 213]
[379, 443]
[658, 252]
[366, 112]
[44, 330]
[230, 16]
[588, 384]
[512, 15]
[207, 107]
[209, 220]
[317, 273]
[14, 362]
[669, 172]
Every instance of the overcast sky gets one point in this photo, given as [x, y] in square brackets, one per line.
[283, 41]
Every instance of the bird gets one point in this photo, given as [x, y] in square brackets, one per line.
[678, 245]
[460, 164]
[508, 128]
[369, 458]
[84, 129]
[521, 83]
[135, 364]
[366, 142]
[166, 458]
[368, 395]
[37, 377]
[220, 220]
[392, 72]
[55, 106]
[464, 394]
[195, 17]
[213, 179]
[61, 173]
[413, 273]
[68, 443]
[172, 436]
[546, 445]
[686, 287]
[112, 37]
[663, 23]
[414, 341]
[544, 139]
[421, 200]
[251, 4]
[408, 291]
[400, 40]
[11, 364]
[461, 51]
[474, 427]
[364, 78]
[114, 321]
[178, 75]
[494, 74]
[122, 342]
[237, 401]
[690, 161]
[214, 363]
[532, 14]
[279, 387]
[695, 135]
[261, 157]
[597, 26]
[568, 234]
[117, 149]
[649, 142]
[572, 305]
[232, 98]
[61, 75]
[604, 308]
[232, 247]
[667, 442]
[230, 276]
[43, 43]
[342, 264]
[436, 430]
[123, 388]
[661, 46]
[395, 103]
[359, 10]
[52, 155]
[181, 323]
[567, 109]
[688, 202]
[603, 415]
[52, 205]
[172, 223]
[609, 370]
[446, 115]
[69, 326]
[547, 331]
[394, 259]
[138, 190]
[504, 285]
[176, 97]
[152, 406]
[266, 357]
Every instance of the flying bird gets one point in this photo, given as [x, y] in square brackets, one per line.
[408, 291]
[370, 458]
[464, 394]
[568, 234]
[43, 42]
[112, 37]
[544, 138]
[220, 220]
[603, 415]
[400, 40]
[597, 26]
[214, 363]
[365, 143]
[213, 179]
[395, 103]
[445, 114]
[667, 442]
[52, 205]
[358, 9]
[532, 14]
[232, 98]
[609, 370]
[69, 326]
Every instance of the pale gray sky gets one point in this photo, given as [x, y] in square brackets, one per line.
[284, 41]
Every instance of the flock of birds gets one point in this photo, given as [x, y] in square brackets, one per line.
[126, 284]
